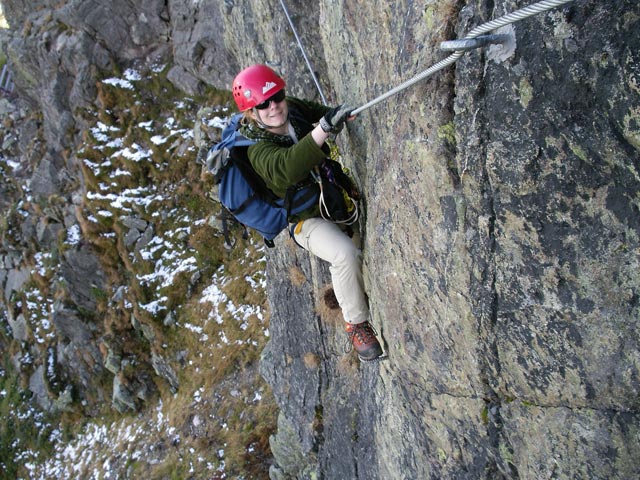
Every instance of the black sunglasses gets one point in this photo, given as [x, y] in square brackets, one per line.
[276, 97]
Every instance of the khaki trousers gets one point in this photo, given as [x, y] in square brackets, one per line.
[327, 241]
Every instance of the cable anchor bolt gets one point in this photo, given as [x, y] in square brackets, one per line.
[471, 43]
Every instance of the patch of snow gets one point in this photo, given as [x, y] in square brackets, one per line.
[73, 235]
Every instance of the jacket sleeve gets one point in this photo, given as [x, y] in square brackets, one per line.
[282, 167]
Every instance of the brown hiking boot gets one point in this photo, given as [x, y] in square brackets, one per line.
[362, 337]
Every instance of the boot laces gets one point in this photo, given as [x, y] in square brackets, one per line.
[362, 332]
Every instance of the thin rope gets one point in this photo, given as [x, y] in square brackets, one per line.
[326, 215]
[295, 33]
[484, 28]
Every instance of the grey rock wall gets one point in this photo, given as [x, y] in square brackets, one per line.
[501, 246]
[500, 226]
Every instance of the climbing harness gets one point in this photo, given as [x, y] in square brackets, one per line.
[326, 214]
[350, 204]
[306, 59]
[472, 40]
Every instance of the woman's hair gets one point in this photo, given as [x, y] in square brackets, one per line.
[247, 119]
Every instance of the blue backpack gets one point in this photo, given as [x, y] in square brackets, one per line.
[244, 193]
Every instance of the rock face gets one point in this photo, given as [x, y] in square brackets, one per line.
[500, 230]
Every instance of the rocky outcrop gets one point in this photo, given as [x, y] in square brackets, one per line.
[501, 245]
[500, 225]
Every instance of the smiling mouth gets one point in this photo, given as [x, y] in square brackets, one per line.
[275, 115]
[274, 118]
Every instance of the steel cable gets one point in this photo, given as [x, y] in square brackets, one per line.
[479, 30]
[306, 59]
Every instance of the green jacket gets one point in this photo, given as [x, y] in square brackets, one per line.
[281, 162]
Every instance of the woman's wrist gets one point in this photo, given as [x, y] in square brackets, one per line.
[319, 135]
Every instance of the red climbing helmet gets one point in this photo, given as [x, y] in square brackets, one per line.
[254, 85]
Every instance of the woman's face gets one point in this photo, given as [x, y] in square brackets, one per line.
[275, 115]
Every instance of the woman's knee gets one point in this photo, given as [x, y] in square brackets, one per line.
[347, 254]
[327, 241]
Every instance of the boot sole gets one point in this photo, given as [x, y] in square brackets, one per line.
[373, 360]
[371, 354]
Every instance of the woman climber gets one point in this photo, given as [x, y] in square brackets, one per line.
[290, 152]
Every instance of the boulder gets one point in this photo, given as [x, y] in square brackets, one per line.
[83, 273]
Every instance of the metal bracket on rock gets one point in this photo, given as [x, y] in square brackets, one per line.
[471, 43]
